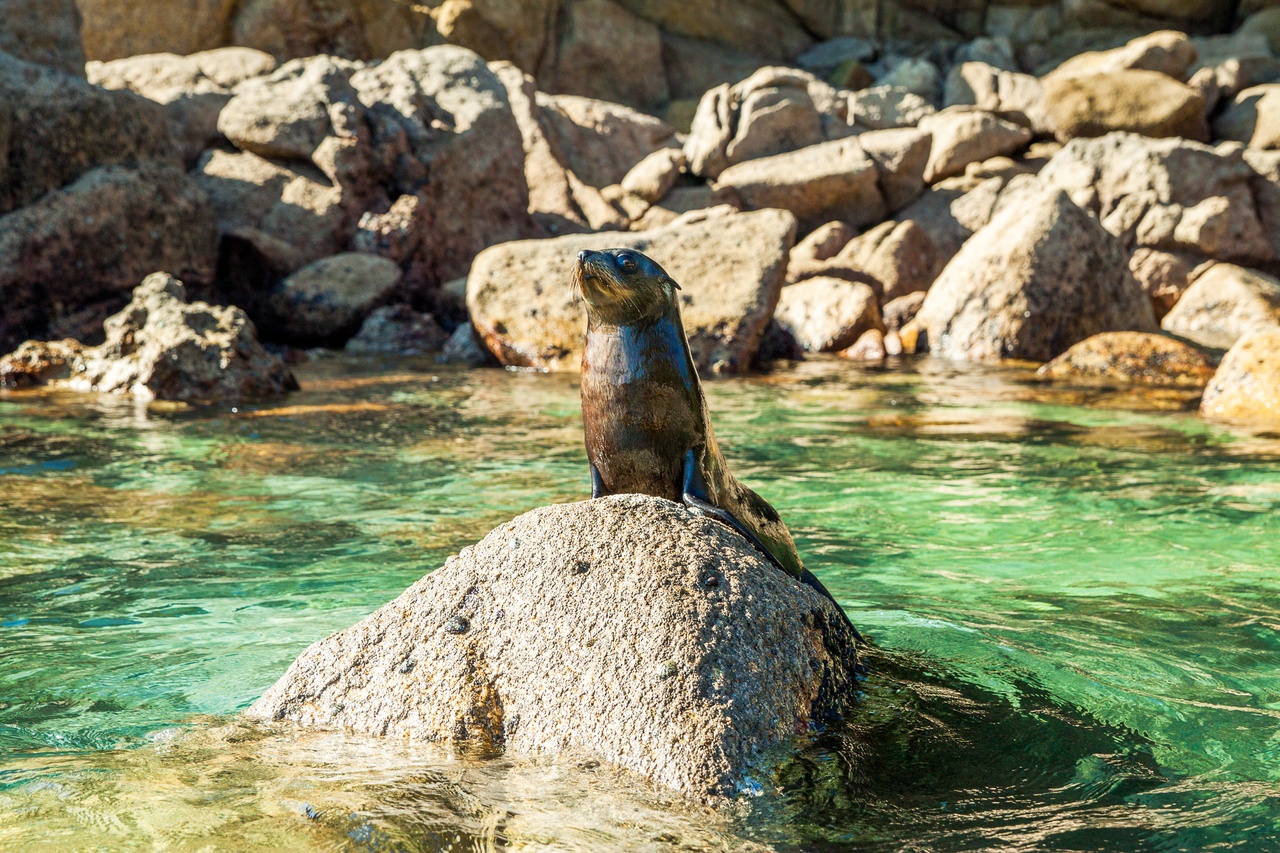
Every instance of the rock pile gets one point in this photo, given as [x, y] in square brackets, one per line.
[628, 627]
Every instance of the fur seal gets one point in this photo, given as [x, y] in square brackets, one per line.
[647, 426]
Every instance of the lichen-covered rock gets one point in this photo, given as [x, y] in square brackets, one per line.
[1143, 102]
[54, 127]
[159, 347]
[627, 627]
[830, 180]
[826, 314]
[730, 270]
[1042, 275]
[96, 239]
[46, 32]
[1223, 304]
[1247, 384]
[398, 330]
[325, 302]
[1131, 357]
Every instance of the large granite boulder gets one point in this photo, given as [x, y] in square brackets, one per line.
[159, 347]
[825, 314]
[46, 32]
[1144, 102]
[1138, 358]
[628, 627]
[1169, 194]
[730, 270]
[1042, 275]
[964, 135]
[54, 127]
[96, 239]
[1247, 384]
[1223, 304]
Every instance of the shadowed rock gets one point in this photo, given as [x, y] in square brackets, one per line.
[628, 627]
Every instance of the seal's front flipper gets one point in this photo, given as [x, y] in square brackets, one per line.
[597, 484]
[695, 495]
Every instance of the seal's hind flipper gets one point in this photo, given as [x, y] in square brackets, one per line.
[695, 495]
[597, 484]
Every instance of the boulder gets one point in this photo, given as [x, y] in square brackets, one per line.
[356, 29]
[1168, 194]
[395, 234]
[773, 111]
[325, 302]
[655, 175]
[54, 127]
[1139, 358]
[760, 28]
[44, 32]
[628, 628]
[730, 270]
[598, 141]
[897, 313]
[830, 180]
[1165, 276]
[159, 347]
[1252, 118]
[193, 89]
[821, 244]
[606, 52]
[964, 135]
[870, 346]
[398, 330]
[885, 107]
[465, 347]
[1224, 303]
[97, 238]
[1144, 102]
[917, 75]
[898, 255]
[1168, 52]
[826, 314]
[521, 33]
[1042, 275]
[115, 30]
[901, 157]
[1010, 95]
[1246, 386]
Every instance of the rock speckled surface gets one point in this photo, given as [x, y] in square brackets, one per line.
[628, 627]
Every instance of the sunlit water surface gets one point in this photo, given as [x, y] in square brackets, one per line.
[1074, 593]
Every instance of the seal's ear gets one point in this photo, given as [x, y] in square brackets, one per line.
[671, 281]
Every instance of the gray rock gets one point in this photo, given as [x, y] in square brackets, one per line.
[46, 32]
[730, 269]
[159, 347]
[1252, 118]
[1042, 275]
[325, 302]
[464, 347]
[398, 330]
[917, 76]
[627, 627]
[884, 107]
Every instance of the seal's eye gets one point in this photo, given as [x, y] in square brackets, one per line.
[627, 263]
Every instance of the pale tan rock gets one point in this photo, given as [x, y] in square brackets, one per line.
[963, 135]
[1246, 386]
[830, 180]
[885, 107]
[493, 650]
[359, 29]
[520, 33]
[653, 177]
[1139, 358]
[1223, 304]
[1168, 52]
[1145, 102]
[768, 30]
[897, 313]
[901, 157]
[97, 238]
[1165, 276]
[159, 347]
[606, 52]
[1039, 277]
[871, 346]
[730, 269]
[1252, 118]
[325, 302]
[826, 314]
[821, 244]
[599, 141]
[899, 255]
[1010, 95]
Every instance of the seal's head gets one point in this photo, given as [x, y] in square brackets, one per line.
[623, 286]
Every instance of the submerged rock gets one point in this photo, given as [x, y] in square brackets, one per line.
[629, 627]
[1132, 357]
[159, 347]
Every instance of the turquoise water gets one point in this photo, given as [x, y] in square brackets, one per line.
[1074, 593]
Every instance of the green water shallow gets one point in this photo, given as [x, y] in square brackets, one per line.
[1075, 594]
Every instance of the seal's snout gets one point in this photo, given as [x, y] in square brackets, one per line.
[584, 256]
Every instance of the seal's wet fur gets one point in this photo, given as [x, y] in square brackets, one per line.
[647, 426]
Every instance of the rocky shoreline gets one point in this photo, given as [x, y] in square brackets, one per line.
[982, 198]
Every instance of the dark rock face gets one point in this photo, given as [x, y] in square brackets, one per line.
[43, 31]
[159, 347]
[628, 627]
